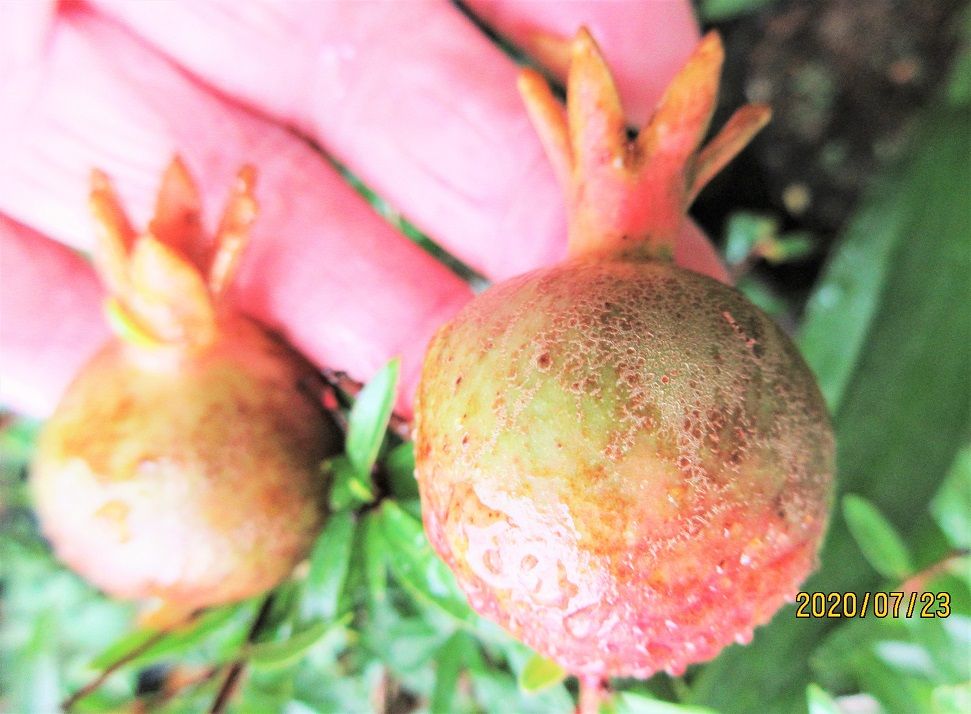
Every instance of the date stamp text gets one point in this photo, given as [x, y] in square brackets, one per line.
[879, 604]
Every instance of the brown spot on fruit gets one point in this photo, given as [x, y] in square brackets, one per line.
[630, 506]
[652, 527]
[183, 461]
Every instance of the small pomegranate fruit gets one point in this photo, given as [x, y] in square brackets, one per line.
[626, 464]
[182, 463]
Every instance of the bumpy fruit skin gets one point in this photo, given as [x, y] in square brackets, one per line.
[182, 466]
[189, 478]
[625, 464]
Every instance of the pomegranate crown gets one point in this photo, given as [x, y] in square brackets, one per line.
[164, 284]
[631, 195]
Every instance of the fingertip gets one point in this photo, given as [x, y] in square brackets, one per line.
[50, 300]
[644, 43]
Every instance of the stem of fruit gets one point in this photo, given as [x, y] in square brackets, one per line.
[593, 690]
[631, 195]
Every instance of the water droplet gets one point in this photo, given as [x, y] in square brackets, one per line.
[675, 670]
[493, 561]
[743, 638]
[580, 623]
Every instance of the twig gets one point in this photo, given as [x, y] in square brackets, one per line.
[176, 682]
[95, 683]
[228, 687]
[917, 581]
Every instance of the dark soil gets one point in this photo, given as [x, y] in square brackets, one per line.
[847, 80]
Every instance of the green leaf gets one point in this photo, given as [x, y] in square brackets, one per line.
[400, 466]
[914, 225]
[788, 247]
[905, 657]
[721, 10]
[878, 539]
[761, 295]
[329, 562]
[350, 487]
[36, 678]
[369, 417]
[952, 699]
[417, 567]
[540, 673]
[172, 644]
[17, 441]
[286, 652]
[744, 232]
[450, 661]
[952, 504]
[819, 701]
[959, 83]
[121, 647]
[375, 559]
[631, 703]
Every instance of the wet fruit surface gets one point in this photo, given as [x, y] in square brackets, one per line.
[182, 465]
[626, 464]
[191, 481]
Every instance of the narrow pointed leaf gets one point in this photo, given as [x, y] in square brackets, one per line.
[878, 539]
[369, 417]
[540, 673]
[819, 701]
[417, 567]
[450, 661]
[292, 650]
[329, 561]
[400, 467]
[375, 559]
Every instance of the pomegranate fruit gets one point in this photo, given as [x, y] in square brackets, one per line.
[626, 464]
[182, 465]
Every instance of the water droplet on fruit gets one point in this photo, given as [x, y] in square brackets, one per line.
[675, 670]
[580, 623]
[743, 638]
[493, 561]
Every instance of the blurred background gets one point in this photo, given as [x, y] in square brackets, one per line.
[849, 221]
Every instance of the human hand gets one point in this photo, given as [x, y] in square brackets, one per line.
[412, 97]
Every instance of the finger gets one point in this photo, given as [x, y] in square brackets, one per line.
[326, 271]
[644, 43]
[410, 95]
[50, 302]
[695, 252]
[23, 28]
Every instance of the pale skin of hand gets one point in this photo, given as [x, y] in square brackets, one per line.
[412, 97]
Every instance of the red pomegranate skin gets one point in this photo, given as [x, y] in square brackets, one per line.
[626, 464]
[186, 477]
